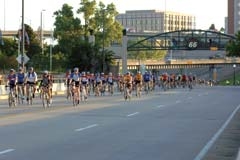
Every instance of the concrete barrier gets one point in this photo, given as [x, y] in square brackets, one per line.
[58, 89]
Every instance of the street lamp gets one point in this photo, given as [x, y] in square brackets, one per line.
[50, 54]
[41, 25]
[23, 36]
[234, 74]
[103, 40]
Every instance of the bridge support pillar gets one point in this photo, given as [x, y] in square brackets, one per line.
[124, 53]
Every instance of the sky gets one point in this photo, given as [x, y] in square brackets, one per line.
[207, 12]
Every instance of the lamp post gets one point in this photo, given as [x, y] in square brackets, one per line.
[234, 74]
[103, 40]
[50, 54]
[23, 36]
[41, 25]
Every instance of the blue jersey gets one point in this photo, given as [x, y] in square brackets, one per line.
[146, 77]
[20, 77]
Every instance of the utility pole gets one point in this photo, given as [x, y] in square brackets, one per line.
[23, 36]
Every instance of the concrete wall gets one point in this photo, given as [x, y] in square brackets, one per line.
[58, 88]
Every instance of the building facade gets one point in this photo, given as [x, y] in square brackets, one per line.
[233, 25]
[155, 21]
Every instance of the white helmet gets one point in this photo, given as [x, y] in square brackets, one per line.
[45, 72]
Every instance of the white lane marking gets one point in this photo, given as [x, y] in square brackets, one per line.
[205, 149]
[6, 151]
[133, 114]
[160, 106]
[88, 127]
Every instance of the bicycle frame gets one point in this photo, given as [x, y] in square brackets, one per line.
[12, 100]
[45, 95]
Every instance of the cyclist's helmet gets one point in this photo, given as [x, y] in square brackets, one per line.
[20, 69]
[45, 72]
[75, 69]
[12, 70]
[31, 68]
[110, 73]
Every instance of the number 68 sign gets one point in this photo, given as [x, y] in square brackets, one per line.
[192, 43]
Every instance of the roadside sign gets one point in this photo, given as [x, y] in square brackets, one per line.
[23, 59]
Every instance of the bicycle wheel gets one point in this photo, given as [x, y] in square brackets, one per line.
[10, 100]
[20, 96]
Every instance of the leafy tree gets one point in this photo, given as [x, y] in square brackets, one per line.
[72, 35]
[67, 30]
[88, 9]
[233, 47]
[212, 27]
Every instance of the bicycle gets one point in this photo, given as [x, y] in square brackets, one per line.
[69, 92]
[20, 90]
[75, 94]
[45, 96]
[127, 92]
[12, 98]
[147, 87]
[110, 88]
[83, 92]
[30, 93]
[138, 90]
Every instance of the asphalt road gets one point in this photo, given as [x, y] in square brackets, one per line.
[173, 125]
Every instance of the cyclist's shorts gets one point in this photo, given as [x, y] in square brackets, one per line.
[110, 83]
[137, 81]
[31, 83]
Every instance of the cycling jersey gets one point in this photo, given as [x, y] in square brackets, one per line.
[127, 78]
[110, 80]
[84, 80]
[31, 77]
[146, 77]
[20, 78]
[12, 79]
[138, 77]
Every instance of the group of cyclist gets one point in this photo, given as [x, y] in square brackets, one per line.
[99, 83]
[81, 84]
[21, 81]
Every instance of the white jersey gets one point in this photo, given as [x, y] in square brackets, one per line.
[31, 77]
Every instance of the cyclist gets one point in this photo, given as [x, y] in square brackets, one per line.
[146, 79]
[138, 81]
[127, 79]
[119, 79]
[104, 81]
[67, 82]
[110, 82]
[47, 82]
[84, 85]
[20, 81]
[98, 84]
[31, 79]
[75, 78]
[12, 80]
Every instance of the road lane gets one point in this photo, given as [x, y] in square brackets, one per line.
[152, 132]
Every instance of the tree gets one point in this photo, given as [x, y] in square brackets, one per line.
[72, 35]
[212, 27]
[88, 9]
[233, 47]
[68, 30]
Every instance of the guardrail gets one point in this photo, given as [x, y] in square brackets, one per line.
[185, 61]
